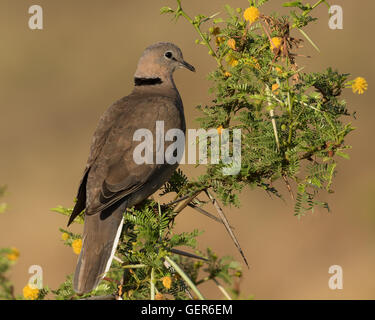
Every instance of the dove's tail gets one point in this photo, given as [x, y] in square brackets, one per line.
[100, 238]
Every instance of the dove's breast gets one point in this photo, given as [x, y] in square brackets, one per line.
[161, 115]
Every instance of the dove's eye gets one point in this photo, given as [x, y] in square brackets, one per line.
[168, 55]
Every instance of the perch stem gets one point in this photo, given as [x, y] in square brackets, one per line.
[226, 224]
[185, 277]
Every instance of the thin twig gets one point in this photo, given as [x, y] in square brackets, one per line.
[182, 205]
[206, 213]
[176, 201]
[221, 288]
[288, 187]
[187, 254]
[226, 224]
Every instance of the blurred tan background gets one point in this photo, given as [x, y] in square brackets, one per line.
[56, 83]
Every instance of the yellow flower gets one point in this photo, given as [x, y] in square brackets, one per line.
[359, 85]
[238, 274]
[30, 292]
[276, 43]
[278, 70]
[232, 61]
[275, 87]
[167, 282]
[65, 236]
[219, 40]
[251, 14]
[159, 296]
[77, 246]
[231, 44]
[227, 74]
[13, 256]
[219, 129]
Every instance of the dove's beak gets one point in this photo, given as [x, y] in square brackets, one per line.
[186, 65]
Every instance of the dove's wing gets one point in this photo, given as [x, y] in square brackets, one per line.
[98, 141]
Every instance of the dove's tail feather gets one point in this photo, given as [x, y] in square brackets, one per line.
[101, 235]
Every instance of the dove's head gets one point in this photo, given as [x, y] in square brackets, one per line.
[159, 61]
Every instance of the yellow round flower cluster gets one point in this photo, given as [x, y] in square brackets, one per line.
[30, 292]
[251, 14]
[276, 43]
[219, 40]
[275, 88]
[77, 246]
[65, 236]
[359, 85]
[13, 255]
[231, 44]
[231, 60]
[167, 282]
[278, 70]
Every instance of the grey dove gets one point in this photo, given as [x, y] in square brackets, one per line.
[112, 181]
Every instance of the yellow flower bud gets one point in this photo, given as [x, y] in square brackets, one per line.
[232, 61]
[251, 14]
[13, 256]
[276, 43]
[278, 70]
[219, 40]
[359, 85]
[231, 44]
[65, 236]
[275, 88]
[167, 282]
[30, 293]
[77, 246]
